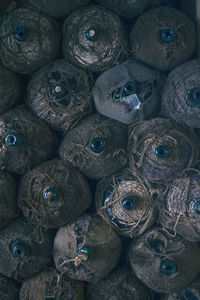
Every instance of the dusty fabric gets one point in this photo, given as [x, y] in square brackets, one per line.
[8, 203]
[119, 285]
[163, 38]
[49, 285]
[180, 210]
[26, 140]
[9, 289]
[22, 256]
[160, 149]
[128, 93]
[99, 41]
[163, 263]
[97, 146]
[87, 249]
[59, 8]
[29, 39]
[60, 94]
[53, 194]
[126, 202]
[180, 99]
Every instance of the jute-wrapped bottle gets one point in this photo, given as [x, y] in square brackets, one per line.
[9, 289]
[164, 264]
[87, 249]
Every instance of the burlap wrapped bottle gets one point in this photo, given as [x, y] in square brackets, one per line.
[126, 202]
[87, 249]
[118, 285]
[10, 89]
[128, 93]
[160, 149]
[53, 194]
[22, 256]
[29, 39]
[180, 99]
[50, 285]
[60, 94]
[59, 8]
[26, 140]
[94, 38]
[97, 146]
[163, 38]
[180, 209]
[164, 264]
[9, 289]
[8, 195]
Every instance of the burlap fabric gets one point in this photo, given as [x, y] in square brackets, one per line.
[160, 149]
[126, 202]
[22, 256]
[49, 285]
[163, 38]
[119, 285]
[97, 146]
[8, 203]
[181, 94]
[59, 8]
[163, 263]
[9, 289]
[87, 249]
[26, 140]
[180, 210]
[99, 41]
[128, 93]
[29, 39]
[53, 194]
[10, 89]
[60, 94]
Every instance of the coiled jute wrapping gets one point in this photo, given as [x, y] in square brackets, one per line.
[145, 85]
[106, 45]
[180, 210]
[10, 89]
[97, 146]
[163, 38]
[26, 140]
[59, 8]
[22, 256]
[160, 149]
[72, 102]
[126, 202]
[9, 289]
[119, 285]
[29, 39]
[8, 194]
[53, 194]
[180, 99]
[48, 285]
[163, 263]
[87, 249]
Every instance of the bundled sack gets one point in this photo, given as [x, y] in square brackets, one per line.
[50, 285]
[163, 38]
[60, 94]
[22, 255]
[164, 264]
[26, 141]
[126, 202]
[180, 99]
[10, 89]
[87, 249]
[97, 146]
[29, 39]
[9, 289]
[160, 149]
[128, 93]
[53, 194]
[94, 38]
[119, 285]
